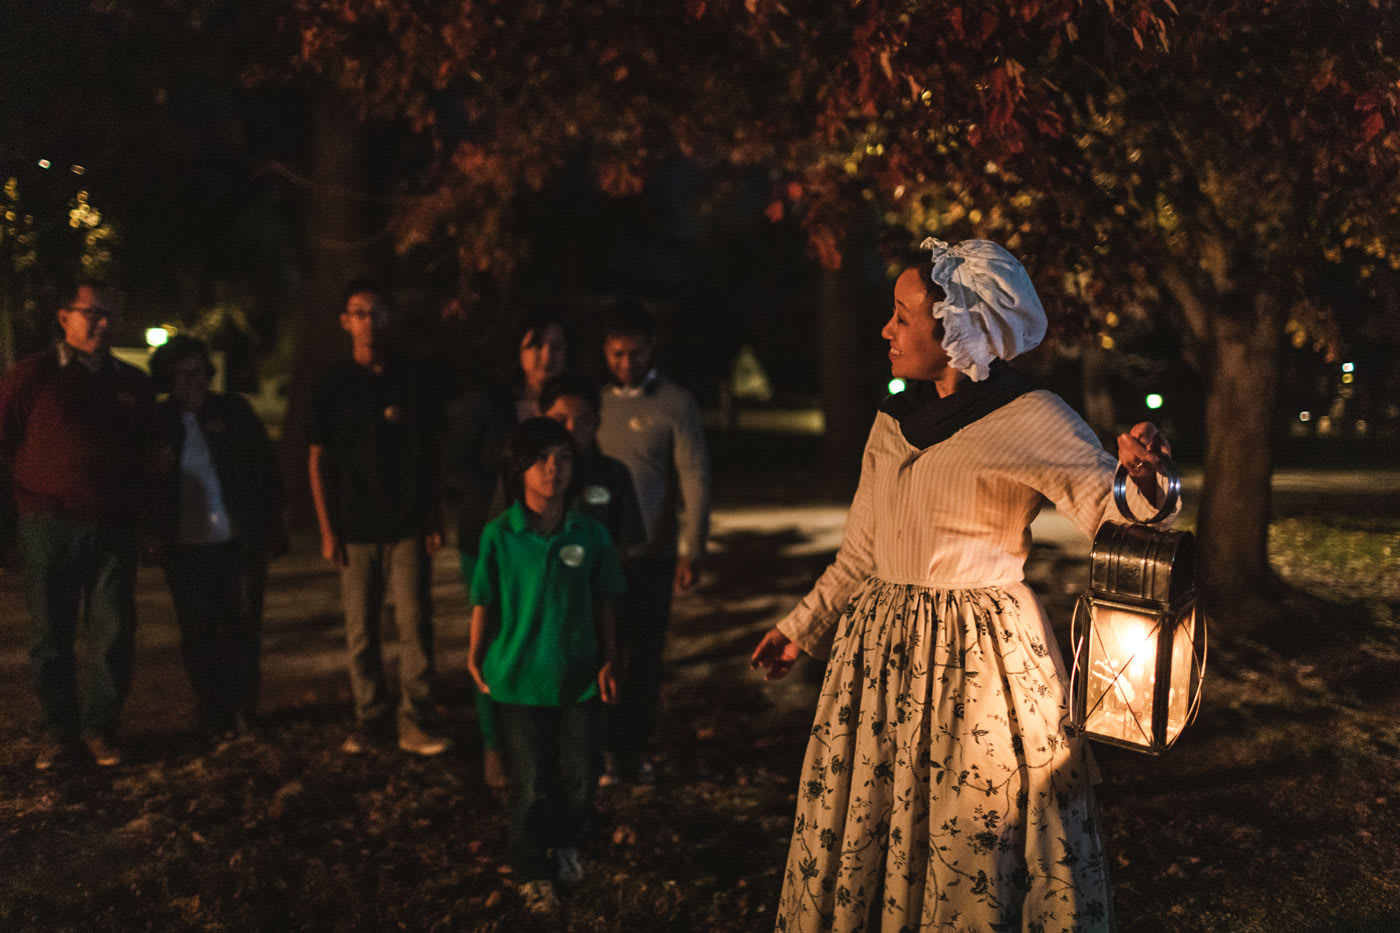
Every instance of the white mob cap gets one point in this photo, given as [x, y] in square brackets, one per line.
[991, 312]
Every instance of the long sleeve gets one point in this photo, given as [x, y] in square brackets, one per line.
[812, 623]
[1069, 466]
[692, 463]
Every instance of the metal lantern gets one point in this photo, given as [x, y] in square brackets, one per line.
[1140, 658]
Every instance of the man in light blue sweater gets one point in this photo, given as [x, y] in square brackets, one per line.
[653, 426]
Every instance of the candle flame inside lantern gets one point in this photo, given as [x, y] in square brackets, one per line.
[1122, 671]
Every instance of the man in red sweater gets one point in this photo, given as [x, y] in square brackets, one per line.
[77, 440]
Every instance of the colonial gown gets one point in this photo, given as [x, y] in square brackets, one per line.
[944, 786]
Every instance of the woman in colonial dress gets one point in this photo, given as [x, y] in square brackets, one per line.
[944, 785]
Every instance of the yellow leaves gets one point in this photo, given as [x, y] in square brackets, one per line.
[81, 213]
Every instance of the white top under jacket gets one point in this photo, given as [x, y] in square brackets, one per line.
[957, 515]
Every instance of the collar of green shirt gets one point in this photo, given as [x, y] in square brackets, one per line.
[519, 522]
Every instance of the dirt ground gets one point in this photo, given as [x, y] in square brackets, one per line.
[1276, 812]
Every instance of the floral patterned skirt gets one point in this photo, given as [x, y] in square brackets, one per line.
[943, 787]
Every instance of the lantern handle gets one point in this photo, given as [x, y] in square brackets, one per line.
[1120, 493]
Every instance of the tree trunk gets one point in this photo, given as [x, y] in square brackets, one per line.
[1242, 388]
[1099, 410]
[7, 328]
[336, 221]
[845, 399]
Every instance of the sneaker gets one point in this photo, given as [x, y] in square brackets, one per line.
[55, 753]
[365, 737]
[416, 740]
[244, 725]
[609, 777]
[493, 769]
[105, 753]
[567, 867]
[540, 897]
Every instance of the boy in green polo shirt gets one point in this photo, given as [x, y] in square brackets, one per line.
[542, 646]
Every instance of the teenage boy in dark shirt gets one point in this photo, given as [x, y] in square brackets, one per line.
[373, 469]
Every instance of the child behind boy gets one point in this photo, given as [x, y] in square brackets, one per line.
[604, 484]
[542, 647]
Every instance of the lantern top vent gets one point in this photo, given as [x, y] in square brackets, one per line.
[1144, 565]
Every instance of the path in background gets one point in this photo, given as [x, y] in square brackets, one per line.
[763, 559]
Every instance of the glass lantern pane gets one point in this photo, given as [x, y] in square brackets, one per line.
[1121, 673]
[1183, 677]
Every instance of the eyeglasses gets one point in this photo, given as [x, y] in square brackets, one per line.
[94, 312]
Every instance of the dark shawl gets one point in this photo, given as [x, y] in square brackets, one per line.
[926, 418]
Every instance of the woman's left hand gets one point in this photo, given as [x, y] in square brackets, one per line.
[775, 655]
[1142, 451]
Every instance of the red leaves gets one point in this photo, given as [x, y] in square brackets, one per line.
[1372, 127]
[823, 244]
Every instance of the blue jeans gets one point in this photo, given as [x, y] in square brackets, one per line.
[218, 590]
[552, 759]
[75, 568]
[404, 566]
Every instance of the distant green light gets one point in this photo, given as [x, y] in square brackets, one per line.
[156, 336]
[1348, 367]
[1154, 401]
[896, 386]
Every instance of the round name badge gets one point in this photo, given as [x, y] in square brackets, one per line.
[597, 495]
[571, 555]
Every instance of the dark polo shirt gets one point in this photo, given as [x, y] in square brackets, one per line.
[379, 433]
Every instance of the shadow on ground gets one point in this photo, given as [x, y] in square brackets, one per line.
[1275, 812]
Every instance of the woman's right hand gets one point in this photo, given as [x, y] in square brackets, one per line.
[775, 654]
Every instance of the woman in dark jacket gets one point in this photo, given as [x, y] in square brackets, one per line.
[477, 427]
[223, 521]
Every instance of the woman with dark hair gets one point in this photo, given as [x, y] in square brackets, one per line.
[224, 519]
[945, 786]
[477, 427]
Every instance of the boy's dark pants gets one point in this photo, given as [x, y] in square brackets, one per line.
[553, 763]
[643, 615]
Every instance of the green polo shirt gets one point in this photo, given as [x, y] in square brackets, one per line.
[544, 587]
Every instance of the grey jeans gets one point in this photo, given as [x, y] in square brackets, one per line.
[404, 566]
